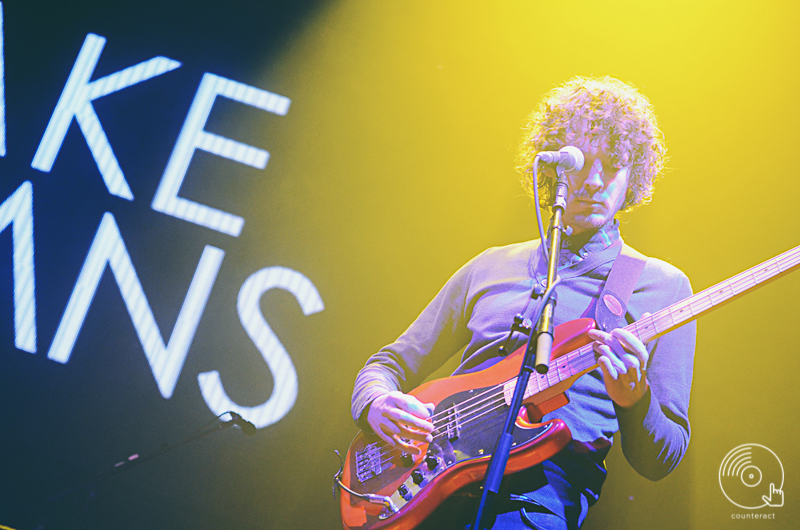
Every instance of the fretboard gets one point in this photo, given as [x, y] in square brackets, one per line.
[662, 322]
[679, 313]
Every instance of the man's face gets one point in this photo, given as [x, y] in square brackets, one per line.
[596, 192]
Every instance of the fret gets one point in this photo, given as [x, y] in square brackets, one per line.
[743, 282]
[566, 365]
[662, 320]
[534, 386]
[566, 371]
[531, 390]
[508, 390]
[536, 383]
[681, 311]
[552, 377]
[788, 260]
[575, 362]
[634, 328]
[585, 358]
[561, 370]
[544, 378]
[720, 293]
[573, 359]
[646, 328]
[700, 303]
[765, 272]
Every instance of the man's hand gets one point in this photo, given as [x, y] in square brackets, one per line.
[623, 361]
[400, 419]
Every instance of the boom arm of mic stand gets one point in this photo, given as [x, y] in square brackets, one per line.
[136, 460]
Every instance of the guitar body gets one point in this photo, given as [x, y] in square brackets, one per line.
[469, 417]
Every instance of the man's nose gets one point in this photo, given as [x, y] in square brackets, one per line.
[594, 180]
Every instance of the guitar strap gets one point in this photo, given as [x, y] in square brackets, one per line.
[613, 302]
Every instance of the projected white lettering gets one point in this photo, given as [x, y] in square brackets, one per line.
[280, 364]
[2, 89]
[17, 211]
[108, 249]
[193, 137]
[76, 100]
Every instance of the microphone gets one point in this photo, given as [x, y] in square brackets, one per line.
[247, 428]
[568, 158]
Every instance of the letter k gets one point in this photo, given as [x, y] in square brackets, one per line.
[76, 100]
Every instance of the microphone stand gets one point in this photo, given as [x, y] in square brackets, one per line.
[537, 356]
[135, 460]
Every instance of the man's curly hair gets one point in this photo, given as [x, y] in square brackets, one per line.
[597, 110]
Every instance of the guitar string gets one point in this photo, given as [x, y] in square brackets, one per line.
[495, 405]
[736, 285]
[656, 319]
[388, 453]
[550, 379]
[468, 402]
[492, 401]
[494, 394]
[494, 391]
[498, 404]
[445, 415]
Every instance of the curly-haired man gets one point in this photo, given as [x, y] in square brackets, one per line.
[639, 391]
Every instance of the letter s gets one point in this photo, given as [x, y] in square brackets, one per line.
[284, 391]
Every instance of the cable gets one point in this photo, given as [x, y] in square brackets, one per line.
[543, 241]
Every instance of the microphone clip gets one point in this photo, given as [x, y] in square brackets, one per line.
[520, 325]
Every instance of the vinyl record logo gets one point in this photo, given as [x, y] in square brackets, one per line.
[751, 477]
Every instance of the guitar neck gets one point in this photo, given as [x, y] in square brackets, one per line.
[649, 328]
[688, 309]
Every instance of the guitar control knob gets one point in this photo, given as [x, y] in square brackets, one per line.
[403, 491]
[417, 477]
[432, 461]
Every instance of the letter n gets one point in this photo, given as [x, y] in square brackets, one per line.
[166, 361]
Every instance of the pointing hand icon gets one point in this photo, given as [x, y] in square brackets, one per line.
[775, 498]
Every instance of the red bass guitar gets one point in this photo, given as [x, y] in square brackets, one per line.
[384, 488]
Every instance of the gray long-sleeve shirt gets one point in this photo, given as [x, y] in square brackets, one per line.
[475, 309]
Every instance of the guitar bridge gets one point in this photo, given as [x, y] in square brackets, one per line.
[368, 462]
[452, 427]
